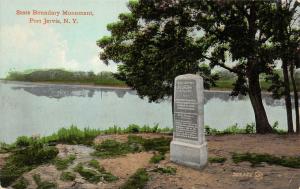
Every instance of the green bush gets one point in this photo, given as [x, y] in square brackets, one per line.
[276, 130]
[250, 128]
[133, 129]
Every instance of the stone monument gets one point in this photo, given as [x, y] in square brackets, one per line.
[189, 146]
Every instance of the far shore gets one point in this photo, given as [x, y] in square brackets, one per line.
[91, 85]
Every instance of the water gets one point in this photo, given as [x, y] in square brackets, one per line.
[30, 108]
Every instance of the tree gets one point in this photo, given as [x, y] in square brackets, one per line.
[240, 29]
[286, 40]
[159, 40]
[153, 44]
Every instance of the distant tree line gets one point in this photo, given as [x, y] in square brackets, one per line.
[59, 75]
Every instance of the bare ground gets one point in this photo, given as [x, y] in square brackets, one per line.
[214, 175]
[235, 176]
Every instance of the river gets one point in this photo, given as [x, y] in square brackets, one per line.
[34, 108]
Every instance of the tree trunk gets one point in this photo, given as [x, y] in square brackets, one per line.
[296, 99]
[261, 119]
[287, 97]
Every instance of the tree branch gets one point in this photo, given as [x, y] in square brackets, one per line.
[221, 65]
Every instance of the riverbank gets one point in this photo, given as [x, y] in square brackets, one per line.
[221, 88]
[225, 82]
[91, 85]
[138, 168]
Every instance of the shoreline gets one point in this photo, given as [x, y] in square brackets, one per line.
[73, 84]
[91, 85]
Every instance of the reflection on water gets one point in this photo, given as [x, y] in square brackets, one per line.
[61, 91]
[31, 108]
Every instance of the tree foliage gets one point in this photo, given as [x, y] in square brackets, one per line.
[155, 45]
[159, 40]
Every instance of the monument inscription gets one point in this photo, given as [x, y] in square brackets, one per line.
[186, 110]
[188, 146]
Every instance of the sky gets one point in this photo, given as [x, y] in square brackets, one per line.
[25, 46]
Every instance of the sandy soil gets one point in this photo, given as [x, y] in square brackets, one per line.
[237, 176]
[213, 176]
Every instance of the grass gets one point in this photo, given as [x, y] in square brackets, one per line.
[67, 176]
[90, 175]
[27, 155]
[21, 183]
[28, 152]
[256, 159]
[95, 164]
[95, 173]
[166, 170]
[216, 159]
[107, 176]
[112, 148]
[43, 184]
[137, 180]
[63, 163]
[157, 157]
[235, 129]
[86, 136]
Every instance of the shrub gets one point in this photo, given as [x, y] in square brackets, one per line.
[250, 128]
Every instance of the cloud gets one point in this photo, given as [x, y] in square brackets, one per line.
[24, 47]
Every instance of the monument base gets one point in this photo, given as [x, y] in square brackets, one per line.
[187, 154]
